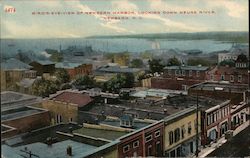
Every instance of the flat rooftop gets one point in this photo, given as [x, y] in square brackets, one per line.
[100, 133]
[155, 93]
[56, 150]
[156, 111]
[10, 99]
[116, 123]
[211, 86]
[19, 112]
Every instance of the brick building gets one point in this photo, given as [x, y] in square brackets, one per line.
[75, 69]
[180, 77]
[64, 106]
[19, 113]
[216, 121]
[147, 141]
[230, 74]
[217, 90]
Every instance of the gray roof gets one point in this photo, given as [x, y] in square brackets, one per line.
[9, 152]
[44, 62]
[57, 150]
[14, 64]
[117, 69]
[67, 65]
[18, 113]
[196, 68]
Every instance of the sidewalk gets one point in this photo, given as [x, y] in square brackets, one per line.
[205, 151]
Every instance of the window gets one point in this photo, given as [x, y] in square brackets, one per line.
[189, 128]
[136, 144]
[71, 119]
[158, 148]
[171, 137]
[148, 138]
[183, 131]
[177, 135]
[183, 73]
[239, 78]
[190, 73]
[169, 72]
[176, 72]
[195, 123]
[222, 77]
[157, 133]
[149, 150]
[126, 148]
[58, 118]
[197, 73]
[231, 78]
[211, 77]
[208, 119]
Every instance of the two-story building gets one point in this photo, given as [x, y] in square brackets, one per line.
[75, 69]
[64, 105]
[147, 141]
[181, 135]
[180, 77]
[13, 71]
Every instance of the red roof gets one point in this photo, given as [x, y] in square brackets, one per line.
[75, 98]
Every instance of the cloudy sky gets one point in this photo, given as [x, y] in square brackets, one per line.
[230, 15]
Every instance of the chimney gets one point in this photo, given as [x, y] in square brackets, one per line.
[165, 111]
[69, 150]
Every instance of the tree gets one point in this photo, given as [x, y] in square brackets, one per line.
[120, 81]
[136, 63]
[173, 62]
[62, 76]
[155, 65]
[228, 62]
[85, 81]
[129, 80]
[44, 87]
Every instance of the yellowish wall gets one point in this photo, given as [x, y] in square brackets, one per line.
[66, 110]
[178, 124]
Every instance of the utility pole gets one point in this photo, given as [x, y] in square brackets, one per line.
[197, 128]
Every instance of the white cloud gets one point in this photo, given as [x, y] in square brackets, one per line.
[124, 5]
[234, 9]
[13, 30]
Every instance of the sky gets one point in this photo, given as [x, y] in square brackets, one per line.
[228, 15]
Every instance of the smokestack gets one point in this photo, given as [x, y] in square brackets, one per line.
[69, 151]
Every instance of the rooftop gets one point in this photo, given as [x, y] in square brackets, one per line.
[137, 124]
[14, 64]
[196, 68]
[118, 69]
[100, 133]
[68, 65]
[56, 150]
[44, 62]
[211, 86]
[154, 110]
[73, 97]
[10, 99]
[19, 112]
[155, 93]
